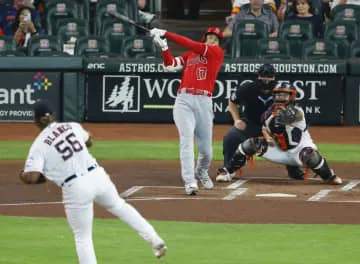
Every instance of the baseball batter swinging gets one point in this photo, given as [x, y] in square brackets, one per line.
[286, 139]
[193, 111]
[60, 153]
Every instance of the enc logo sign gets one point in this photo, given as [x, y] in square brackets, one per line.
[121, 93]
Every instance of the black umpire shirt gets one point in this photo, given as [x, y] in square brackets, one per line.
[254, 101]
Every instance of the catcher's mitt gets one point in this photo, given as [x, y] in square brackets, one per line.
[286, 115]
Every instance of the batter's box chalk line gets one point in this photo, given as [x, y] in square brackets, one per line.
[31, 203]
[320, 195]
[350, 185]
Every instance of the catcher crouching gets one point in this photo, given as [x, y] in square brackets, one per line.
[286, 140]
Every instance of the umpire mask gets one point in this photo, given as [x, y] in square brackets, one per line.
[266, 84]
[266, 78]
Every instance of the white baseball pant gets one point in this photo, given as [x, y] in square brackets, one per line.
[193, 116]
[96, 186]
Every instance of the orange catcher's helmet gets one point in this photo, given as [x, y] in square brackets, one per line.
[212, 30]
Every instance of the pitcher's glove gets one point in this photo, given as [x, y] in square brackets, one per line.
[286, 115]
[30, 180]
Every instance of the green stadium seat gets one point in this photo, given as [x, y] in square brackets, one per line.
[272, 46]
[59, 10]
[40, 45]
[245, 36]
[115, 32]
[139, 47]
[355, 49]
[132, 9]
[296, 32]
[82, 7]
[91, 46]
[69, 28]
[103, 8]
[343, 33]
[321, 49]
[347, 13]
[12, 53]
[7, 43]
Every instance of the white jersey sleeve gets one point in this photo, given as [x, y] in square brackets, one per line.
[301, 124]
[84, 134]
[35, 159]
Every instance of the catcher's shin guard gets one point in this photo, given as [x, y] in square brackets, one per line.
[295, 172]
[318, 164]
[246, 149]
[238, 160]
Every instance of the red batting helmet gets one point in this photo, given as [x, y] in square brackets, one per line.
[212, 30]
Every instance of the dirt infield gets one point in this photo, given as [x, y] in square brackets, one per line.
[261, 195]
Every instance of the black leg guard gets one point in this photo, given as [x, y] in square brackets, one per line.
[231, 141]
[317, 163]
[295, 172]
[249, 147]
[237, 161]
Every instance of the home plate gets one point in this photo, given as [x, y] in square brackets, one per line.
[275, 195]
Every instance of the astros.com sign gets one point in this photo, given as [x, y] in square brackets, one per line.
[291, 68]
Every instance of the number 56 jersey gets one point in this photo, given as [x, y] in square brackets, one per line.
[60, 151]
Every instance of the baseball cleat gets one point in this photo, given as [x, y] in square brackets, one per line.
[205, 180]
[336, 180]
[223, 175]
[160, 251]
[191, 188]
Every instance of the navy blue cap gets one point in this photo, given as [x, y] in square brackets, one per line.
[42, 108]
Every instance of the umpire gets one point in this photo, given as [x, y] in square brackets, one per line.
[246, 105]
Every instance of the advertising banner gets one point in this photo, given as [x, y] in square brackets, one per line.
[100, 65]
[147, 97]
[20, 90]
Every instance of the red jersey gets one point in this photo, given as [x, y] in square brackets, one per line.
[201, 64]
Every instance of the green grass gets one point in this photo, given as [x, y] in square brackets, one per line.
[26, 240]
[142, 150]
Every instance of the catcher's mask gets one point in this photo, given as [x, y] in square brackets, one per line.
[284, 88]
[215, 31]
[266, 77]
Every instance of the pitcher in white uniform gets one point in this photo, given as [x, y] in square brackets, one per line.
[286, 139]
[60, 153]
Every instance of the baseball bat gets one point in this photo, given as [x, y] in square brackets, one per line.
[128, 20]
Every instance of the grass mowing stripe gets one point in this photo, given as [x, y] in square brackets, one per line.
[164, 150]
[49, 240]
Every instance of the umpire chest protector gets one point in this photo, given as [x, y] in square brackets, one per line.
[255, 102]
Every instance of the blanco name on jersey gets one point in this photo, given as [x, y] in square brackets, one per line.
[59, 152]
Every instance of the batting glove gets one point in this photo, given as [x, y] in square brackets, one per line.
[161, 42]
[157, 32]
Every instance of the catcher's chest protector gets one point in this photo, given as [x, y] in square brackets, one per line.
[286, 136]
